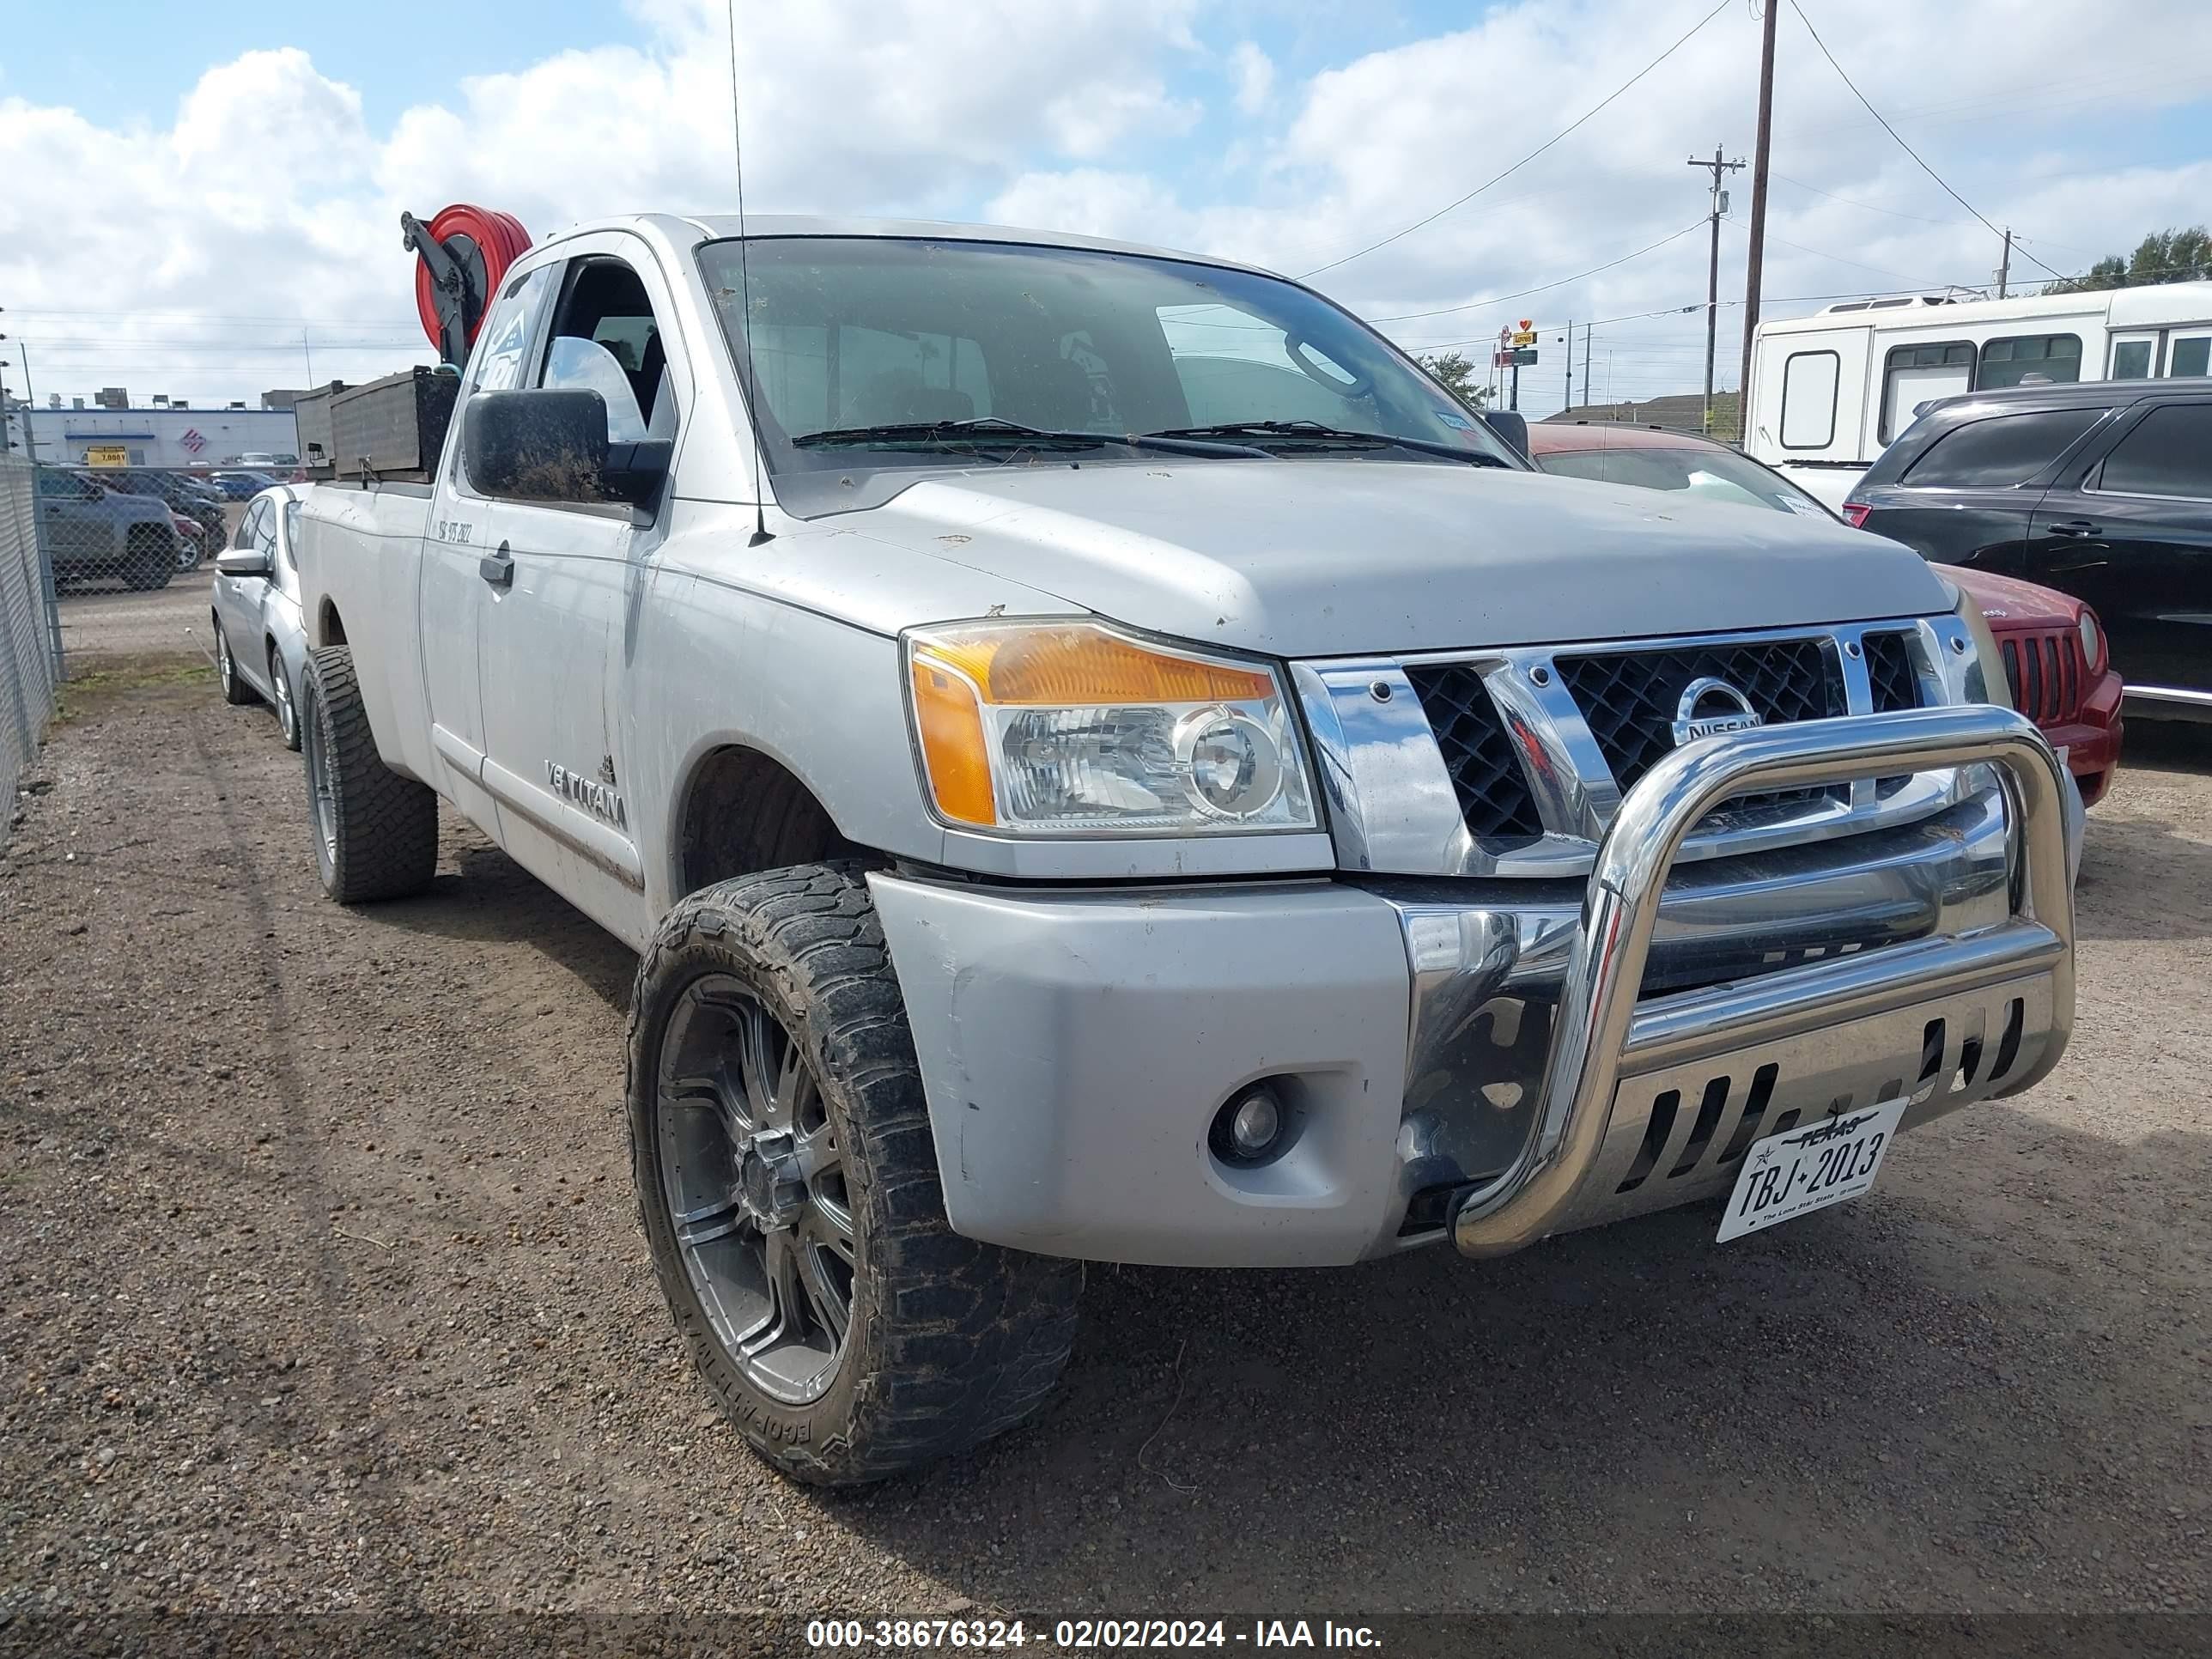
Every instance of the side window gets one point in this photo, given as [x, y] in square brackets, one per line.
[495, 362]
[249, 524]
[1808, 400]
[2168, 454]
[2191, 355]
[2031, 357]
[286, 549]
[264, 529]
[2131, 359]
[1915, 374]
[2001, 452]
[606, 339]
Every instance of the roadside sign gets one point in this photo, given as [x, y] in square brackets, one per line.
[1524, 337]
[1525, 355]
[107, 455]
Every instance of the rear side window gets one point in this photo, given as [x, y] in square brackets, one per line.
[2170, 453]
[1808, 400]
[2001, 451]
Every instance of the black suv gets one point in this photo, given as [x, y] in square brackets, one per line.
[2101, 490]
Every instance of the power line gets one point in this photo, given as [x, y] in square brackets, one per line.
[1892, 131]
[1868, 206]
[1525, 160]
[1501, 299]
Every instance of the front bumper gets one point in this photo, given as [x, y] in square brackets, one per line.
[1497, 1059]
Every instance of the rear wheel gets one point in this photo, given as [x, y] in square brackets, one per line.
[149, 556]
[376, 833]
[787, 1183]
[235, 690]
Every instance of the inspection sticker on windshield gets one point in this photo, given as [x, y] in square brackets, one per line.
[1809, 1167]
[1458, 422]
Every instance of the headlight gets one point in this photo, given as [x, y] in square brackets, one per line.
[2092, 638]
[1985, 679]
[1059, 728]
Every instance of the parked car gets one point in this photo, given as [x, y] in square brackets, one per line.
[1057, 827]
[2103, 492]
[259, 646]
[237, 486]
[91, 531]
[194, 498]
[2058, 669]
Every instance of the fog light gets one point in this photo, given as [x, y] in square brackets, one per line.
[1250, 1128]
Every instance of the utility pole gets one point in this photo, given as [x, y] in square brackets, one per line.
[1713, 271]
[1570, 403]
[1754, 265]
[2004, 271]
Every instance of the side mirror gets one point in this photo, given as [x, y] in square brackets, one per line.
[242, 561]
[544, 445]
[1510, 425]
[549, 444]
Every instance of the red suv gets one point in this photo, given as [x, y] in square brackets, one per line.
[2054, 649]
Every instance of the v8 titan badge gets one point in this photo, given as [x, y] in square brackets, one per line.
[1808, 1168]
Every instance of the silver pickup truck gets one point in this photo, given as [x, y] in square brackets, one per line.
[1103, 759]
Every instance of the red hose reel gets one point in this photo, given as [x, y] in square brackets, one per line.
[462, 256]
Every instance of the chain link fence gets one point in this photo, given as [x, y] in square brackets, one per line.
[136, 526]
[30, 635]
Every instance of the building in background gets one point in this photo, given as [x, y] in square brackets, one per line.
[163, 434]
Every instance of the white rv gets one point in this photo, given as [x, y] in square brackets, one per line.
[1829, 391]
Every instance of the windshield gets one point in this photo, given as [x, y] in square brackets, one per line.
[852, 332]
[1707, 474]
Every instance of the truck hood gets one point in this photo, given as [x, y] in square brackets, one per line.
[1319, 558]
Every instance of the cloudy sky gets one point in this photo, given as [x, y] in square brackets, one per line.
[203, 202]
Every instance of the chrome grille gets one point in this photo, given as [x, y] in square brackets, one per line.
[1478, 752]
[1628, 699]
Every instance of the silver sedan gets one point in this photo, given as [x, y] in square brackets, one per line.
[260, 649]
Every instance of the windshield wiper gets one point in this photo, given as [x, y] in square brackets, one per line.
[1315, 434]
[989, 430]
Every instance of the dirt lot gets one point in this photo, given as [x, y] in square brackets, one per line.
[323, 1290]
[99, 624]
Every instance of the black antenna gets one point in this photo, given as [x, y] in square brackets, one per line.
[752, 387]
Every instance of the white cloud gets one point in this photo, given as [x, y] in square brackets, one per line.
[1254, 74]
[270, 195]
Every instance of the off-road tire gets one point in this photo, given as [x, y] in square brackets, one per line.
[149, 557]
[235, 691]
[950, 1341]
[380, 841]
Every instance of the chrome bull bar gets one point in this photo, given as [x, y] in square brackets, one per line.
[1601, 1037]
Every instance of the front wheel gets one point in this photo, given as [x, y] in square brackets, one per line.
[787, 1183]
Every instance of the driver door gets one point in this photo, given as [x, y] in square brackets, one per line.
[558, 635]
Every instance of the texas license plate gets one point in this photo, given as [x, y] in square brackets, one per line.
[1809, 1167]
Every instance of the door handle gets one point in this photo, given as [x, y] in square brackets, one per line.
[497, 569]
[2076, 528]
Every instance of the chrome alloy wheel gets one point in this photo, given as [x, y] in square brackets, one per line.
[754, 1182]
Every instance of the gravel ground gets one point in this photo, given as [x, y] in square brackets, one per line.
[323, 1290]
[102, 624]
